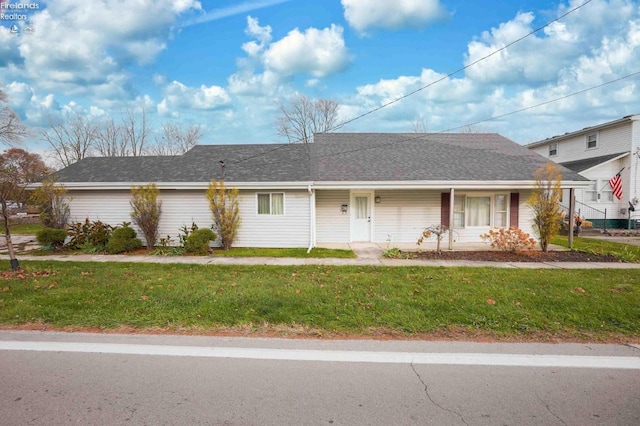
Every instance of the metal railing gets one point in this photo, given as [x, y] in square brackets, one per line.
[597, 218]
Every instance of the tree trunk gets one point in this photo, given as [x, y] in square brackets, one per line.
[7, 235]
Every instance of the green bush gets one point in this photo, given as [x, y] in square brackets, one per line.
[122, 240]
[89, 234]
[51, 237]
[198, 241]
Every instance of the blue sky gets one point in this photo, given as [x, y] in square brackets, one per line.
[224, 65]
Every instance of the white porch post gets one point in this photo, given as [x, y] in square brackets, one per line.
[451, 197]
[572, 214]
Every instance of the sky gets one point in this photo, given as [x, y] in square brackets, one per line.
[225, 65]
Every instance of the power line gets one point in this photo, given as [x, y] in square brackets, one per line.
[429, 84]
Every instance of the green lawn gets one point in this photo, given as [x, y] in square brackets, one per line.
[24, 228]
[587, 305]
[626, 252]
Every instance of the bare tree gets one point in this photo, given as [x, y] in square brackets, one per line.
[474, 128]
[11, 130]
[301, 117]
[136, 129]
[420, 125]
[111, 140]
[175, 140]
[71, 141]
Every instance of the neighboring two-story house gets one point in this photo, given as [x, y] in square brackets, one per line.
[599, 153]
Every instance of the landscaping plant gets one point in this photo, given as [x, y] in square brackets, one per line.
[123, 239]
[198, 241]
[512, 239]
[53, 206]
[146, 211]
[225, 210]
[545, 203]
[89, 236]
[51, 237]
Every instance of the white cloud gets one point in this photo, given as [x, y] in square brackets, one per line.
[366, 14]
[269, 64]
[316, 52]
[178, 96]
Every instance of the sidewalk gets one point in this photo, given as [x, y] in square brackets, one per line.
[367, 255]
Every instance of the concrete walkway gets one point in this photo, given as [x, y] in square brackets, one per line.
[368, 254]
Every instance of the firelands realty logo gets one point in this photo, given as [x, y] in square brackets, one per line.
[16, 11]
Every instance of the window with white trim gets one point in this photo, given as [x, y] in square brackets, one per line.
[592, 141]
[481, 210]
[591, 193]
[271, 203]
[553, 149]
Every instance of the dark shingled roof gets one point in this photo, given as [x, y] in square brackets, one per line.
[411, 156]
[333, 157]
[581, 165]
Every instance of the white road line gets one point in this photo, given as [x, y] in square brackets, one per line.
[519, 360]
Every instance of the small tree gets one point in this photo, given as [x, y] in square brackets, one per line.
[225, 210]
[17, 169]
[438, 231]
[146, 211]
[53, 206]
[545, 203]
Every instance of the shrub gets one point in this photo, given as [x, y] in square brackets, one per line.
[437, 230]
[198, 241]
[545, 203]
[185, 232]
[225, 210]
[54, 207]
[512, 239]
[146, 211]
[122, 240]
[51, 237]
[89, 234]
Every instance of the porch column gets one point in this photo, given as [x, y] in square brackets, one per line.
[572, 214]
[451, 197]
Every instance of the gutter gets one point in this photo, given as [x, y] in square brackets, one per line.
[312, 213]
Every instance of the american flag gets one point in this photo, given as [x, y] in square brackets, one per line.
[616, 185]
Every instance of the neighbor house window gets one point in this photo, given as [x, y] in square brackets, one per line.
[553, 149]
[271, 203]
[591, 193]
[485, 210]
[592, 141]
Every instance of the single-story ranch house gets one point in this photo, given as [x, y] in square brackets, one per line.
[344, 187]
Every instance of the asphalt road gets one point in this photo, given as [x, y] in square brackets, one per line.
[59, 379]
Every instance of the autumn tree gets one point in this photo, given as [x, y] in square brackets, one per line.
[545, 203]
[146, 211]
[18, 168]
[225, 210]
[301, 117]
[11, 129]
[51, 200]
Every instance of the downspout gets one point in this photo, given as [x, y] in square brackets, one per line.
[312, 214]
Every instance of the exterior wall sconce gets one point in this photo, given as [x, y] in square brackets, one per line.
[378, 199]
[343, 209]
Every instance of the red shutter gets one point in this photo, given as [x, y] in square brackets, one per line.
[513, 213]
[445, 199]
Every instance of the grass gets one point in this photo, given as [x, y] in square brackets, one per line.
[23, 228]
[626, 252]
[285, 252]
[593, 305]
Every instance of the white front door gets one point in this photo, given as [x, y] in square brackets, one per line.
[361, 217]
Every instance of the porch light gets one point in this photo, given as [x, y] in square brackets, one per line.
[343, 209]
[378, 199]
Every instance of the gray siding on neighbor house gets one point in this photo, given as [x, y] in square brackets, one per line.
[331, 225]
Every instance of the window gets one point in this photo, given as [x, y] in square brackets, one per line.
[458, 211]
[592, 141]
[553, 149]
[271, 203]
[485, 210]
[500, 211]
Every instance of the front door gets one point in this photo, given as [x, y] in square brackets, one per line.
[361, 218]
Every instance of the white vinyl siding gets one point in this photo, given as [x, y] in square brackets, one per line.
[332, 226]
[401, 216]
[180, 208]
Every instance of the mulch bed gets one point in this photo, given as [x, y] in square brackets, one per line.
[505, 256]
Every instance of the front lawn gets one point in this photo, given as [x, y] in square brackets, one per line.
[586, 305]
[23, 228]
[625, 252]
